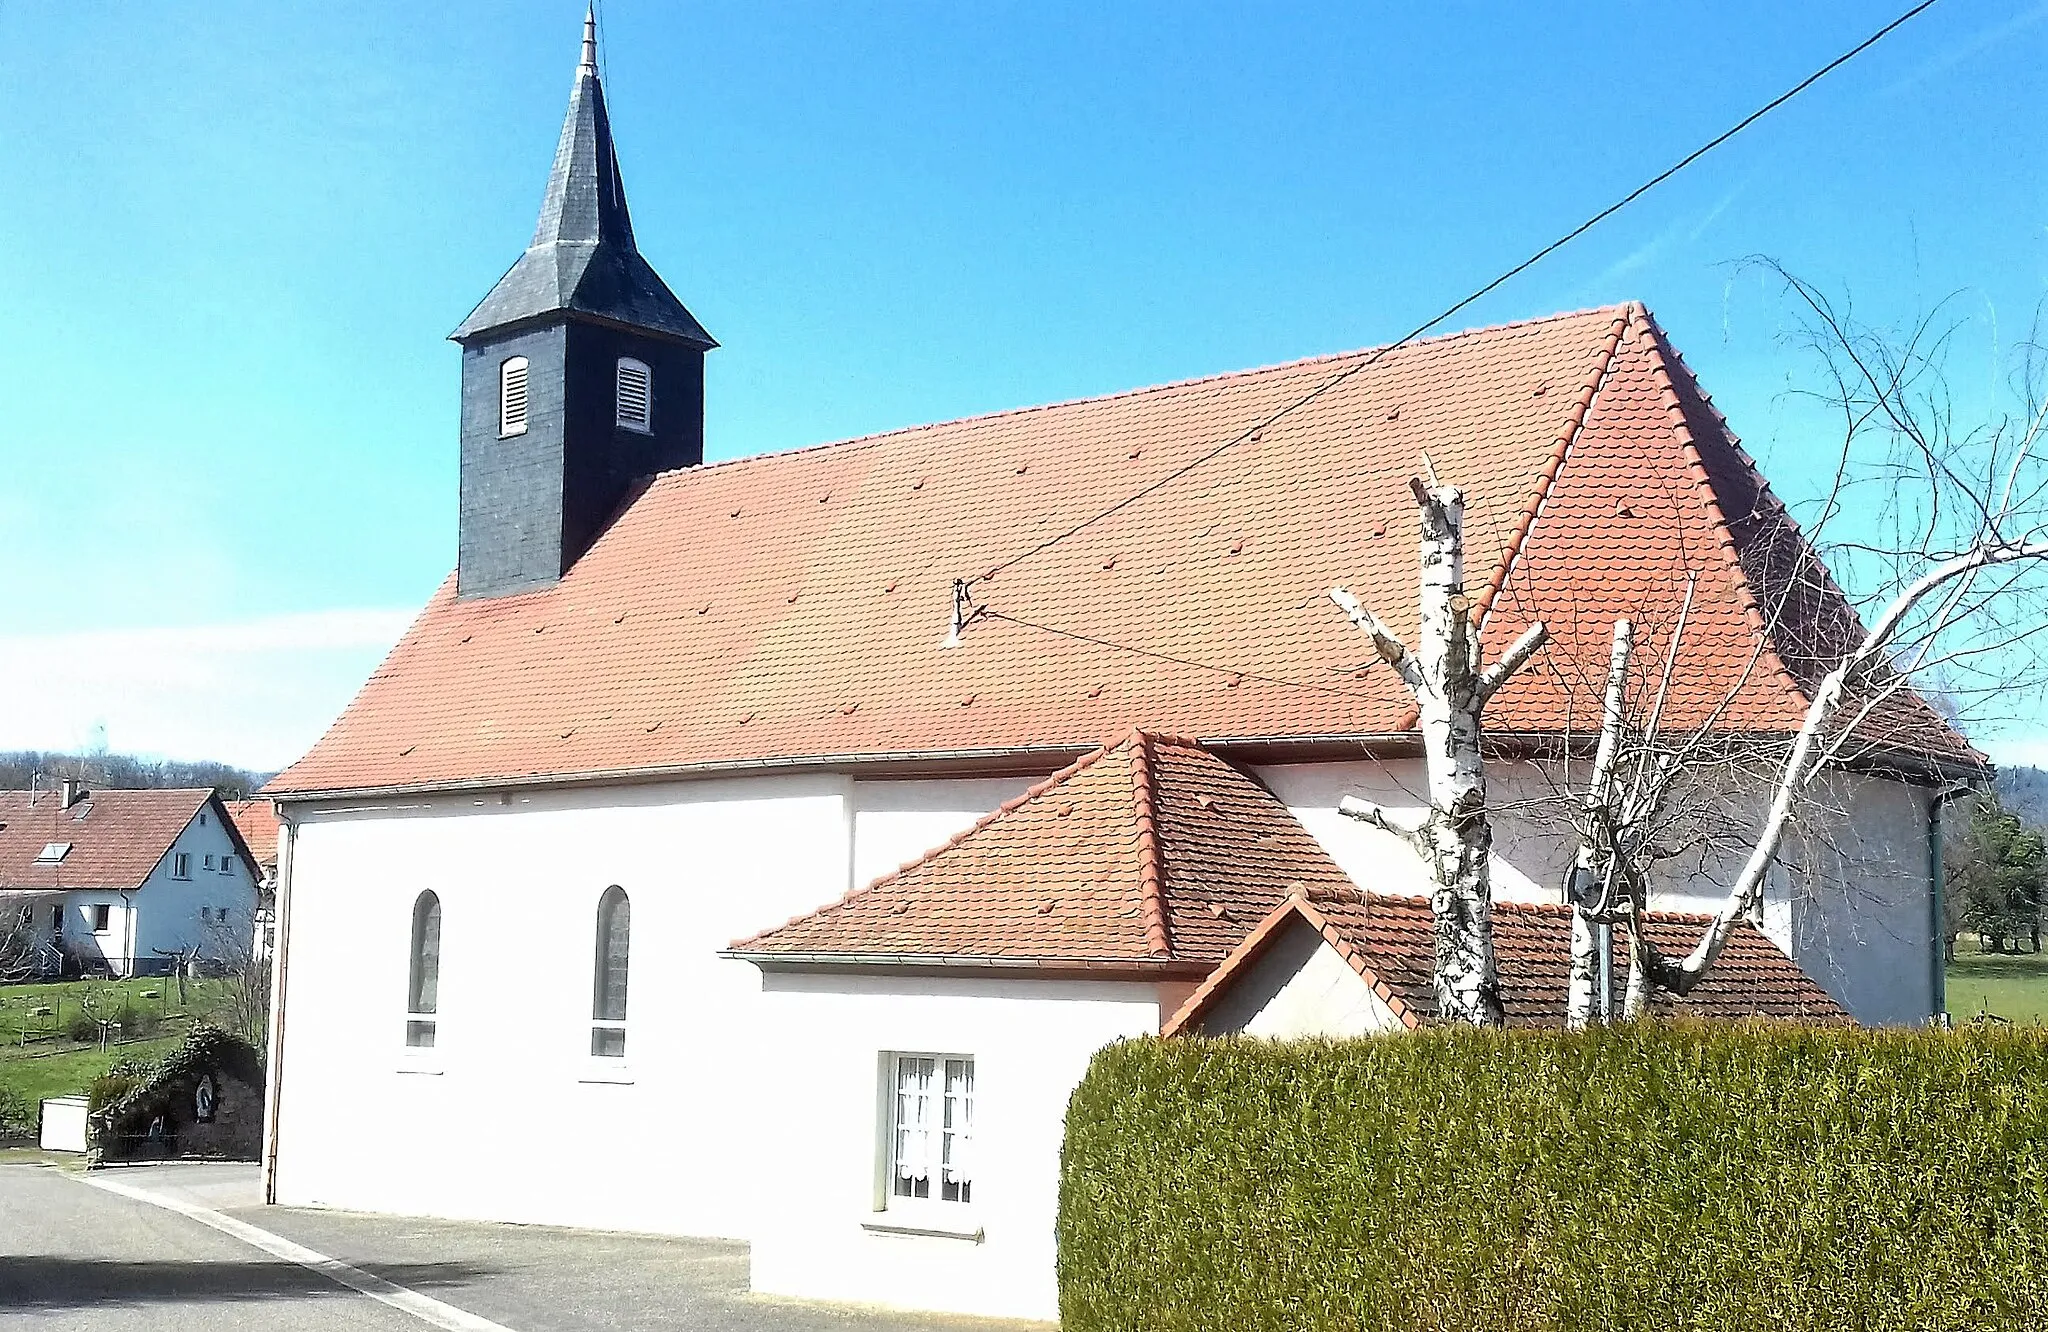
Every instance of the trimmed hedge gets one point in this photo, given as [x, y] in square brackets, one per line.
[1653, 1177]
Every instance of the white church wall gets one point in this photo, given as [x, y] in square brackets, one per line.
[1852, 907]
[509, 1117]
[1297, 987]
[818, 1143]
[897, 822]
[1861, 915]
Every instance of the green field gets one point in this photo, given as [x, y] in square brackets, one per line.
[46, 1064]
[2014, 987]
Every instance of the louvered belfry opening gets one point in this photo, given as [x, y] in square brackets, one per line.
[635, 396]
[512, 396]
[560, 366]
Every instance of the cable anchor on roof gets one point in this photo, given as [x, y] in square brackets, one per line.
[965, 612]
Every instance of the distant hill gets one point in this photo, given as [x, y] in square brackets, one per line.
[122, 770]
[2024, 791]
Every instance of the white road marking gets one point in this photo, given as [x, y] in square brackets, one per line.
[423, 1307]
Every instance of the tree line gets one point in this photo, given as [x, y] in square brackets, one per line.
[20, 767]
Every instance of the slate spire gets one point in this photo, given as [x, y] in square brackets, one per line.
[582, 259]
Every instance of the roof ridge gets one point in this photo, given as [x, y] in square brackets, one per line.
[1560, 450]
[1220, 376]
[1696, 467]
[1017, 801]
[1151, 863]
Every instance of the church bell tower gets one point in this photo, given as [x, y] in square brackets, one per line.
[581, 372]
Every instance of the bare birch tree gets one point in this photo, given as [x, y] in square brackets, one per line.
[1444, 674]
[1946, 594]
[1942, 564]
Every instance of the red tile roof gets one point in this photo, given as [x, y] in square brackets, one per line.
[256, 820]
[1149, 854]
[1391, 943]
[117, 837]
[791, 607]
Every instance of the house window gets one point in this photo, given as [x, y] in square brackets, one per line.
[931, 1128]
[423, 984]
[512, 396]
[608, 983]
[206, 861]
[53, 853]
[181, 865]
[102, 917]
[227, 863]
[57, 919]
[635, 397]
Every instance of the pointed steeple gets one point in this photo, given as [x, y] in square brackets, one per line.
[582, 259]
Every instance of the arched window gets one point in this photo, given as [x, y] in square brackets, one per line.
[423, 984]
[636, 395]
[608, 977]
[512, 396]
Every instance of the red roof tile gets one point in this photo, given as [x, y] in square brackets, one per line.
[1391, 943]
[1150, 853]
[791, 607]
[117, 837]
[256, 820]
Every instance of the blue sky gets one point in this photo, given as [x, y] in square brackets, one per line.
[236, 236]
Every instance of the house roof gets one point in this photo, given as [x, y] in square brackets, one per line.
[256, 820]
[790, 608]
[1390, 942]
[582, 259]
[116, 837]
[1149, 854]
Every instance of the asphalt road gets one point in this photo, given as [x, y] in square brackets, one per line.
[75, 1256]
[72, 1256]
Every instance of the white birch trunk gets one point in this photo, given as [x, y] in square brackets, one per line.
[1589, 866]
[1450, 691]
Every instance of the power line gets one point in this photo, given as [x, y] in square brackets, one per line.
[1165, 657]
[1319, 390]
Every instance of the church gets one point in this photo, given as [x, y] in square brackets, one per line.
[760, 849]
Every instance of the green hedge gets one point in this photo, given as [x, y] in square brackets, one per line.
[1659, 1178]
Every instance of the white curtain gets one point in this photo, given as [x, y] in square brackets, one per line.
[959, 1121]
[914, 1117]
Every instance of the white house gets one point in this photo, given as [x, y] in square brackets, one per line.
[662, 706]
[121, 882]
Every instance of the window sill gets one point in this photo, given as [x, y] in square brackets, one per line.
[613, 1073]
[930, 1228]
[422, 1067]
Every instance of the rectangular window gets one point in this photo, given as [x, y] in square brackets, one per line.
[53, 853]
[227, 863]
[181, 865]
[57, 920]
[102, 918]
[206, 861]
[931, 1129]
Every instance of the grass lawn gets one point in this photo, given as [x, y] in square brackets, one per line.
[2013, 986]
[61, 1066]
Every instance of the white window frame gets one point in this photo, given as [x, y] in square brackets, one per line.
[423, 1022]
[608, 902]
[53, 853]
[934, 1147]
[643, 421]
[181, 864]
[206, 862]
[227, 863]
[514, 409]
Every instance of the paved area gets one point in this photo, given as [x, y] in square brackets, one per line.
[76, 1256]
